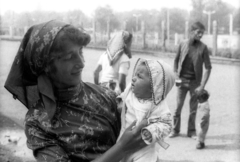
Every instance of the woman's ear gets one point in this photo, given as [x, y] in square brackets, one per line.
[47, 70]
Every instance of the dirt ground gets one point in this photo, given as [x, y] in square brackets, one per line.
[13, 142]
[223, 138]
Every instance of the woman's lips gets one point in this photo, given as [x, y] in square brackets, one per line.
[77, 73]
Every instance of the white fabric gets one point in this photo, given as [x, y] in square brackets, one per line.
[162, 78]
[112, 72]
[204, 107]
[157, 126]
[116, 45]
[155, 110]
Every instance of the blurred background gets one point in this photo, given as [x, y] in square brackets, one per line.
[156, 25]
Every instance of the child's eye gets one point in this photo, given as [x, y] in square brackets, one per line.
[138, 75]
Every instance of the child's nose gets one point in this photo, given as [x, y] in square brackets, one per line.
[134, 79]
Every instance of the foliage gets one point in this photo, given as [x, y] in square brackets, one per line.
[197, 10]
[105, 15]
[229, 53]
[221, 11]
[236, 20]
[178, 17]
[76, 17]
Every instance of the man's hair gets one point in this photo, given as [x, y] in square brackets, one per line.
[204, 95]
[197, 25]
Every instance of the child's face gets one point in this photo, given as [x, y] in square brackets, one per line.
[141, 83]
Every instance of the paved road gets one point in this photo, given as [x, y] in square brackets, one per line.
[223, 140]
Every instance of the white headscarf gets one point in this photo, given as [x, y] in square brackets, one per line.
[161, 76]
[117, 46]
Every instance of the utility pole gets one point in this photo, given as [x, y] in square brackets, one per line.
[137, 16]
[231, 24]
[168, 27]
[108, 28]
[209, 13]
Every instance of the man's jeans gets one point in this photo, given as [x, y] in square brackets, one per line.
[181, 95]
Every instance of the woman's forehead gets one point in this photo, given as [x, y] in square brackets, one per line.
[65, 46]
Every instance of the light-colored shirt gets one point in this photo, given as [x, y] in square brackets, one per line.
[112, 72]
[159, 125]
[204, 107]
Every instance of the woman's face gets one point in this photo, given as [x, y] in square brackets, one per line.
[68, 66]
[141, 83]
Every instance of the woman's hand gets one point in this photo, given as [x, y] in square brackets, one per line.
[117, 90]
[131, 139]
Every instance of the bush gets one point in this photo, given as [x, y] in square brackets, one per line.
[224, 53]
[236, 53]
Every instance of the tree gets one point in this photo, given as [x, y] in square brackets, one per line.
[76, 17]
[236, 20]
[197, 11]
[105, 14]
[222, 13]
[178, 17]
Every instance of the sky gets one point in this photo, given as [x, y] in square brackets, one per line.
[88, 6]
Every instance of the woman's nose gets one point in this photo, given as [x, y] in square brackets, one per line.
[80, 62]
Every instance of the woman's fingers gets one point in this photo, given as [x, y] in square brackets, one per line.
[141, 125]
[130, 127]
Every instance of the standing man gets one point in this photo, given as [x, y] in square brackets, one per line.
[188, 67]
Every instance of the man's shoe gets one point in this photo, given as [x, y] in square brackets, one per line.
[200, 145]
[193, 136]
[173, 134]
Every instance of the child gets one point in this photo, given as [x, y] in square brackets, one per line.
[203, 116]
[145, 98]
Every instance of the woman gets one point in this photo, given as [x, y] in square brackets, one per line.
[67, 120]
[115, 62]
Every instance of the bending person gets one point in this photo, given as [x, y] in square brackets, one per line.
[114, 63]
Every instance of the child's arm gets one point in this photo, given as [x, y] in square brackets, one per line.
[158, 129]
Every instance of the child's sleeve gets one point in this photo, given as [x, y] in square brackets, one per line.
[100, 60]
[159, 128]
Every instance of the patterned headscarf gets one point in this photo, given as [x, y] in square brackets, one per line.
[27, 80]
[161, 76]
[117, 46]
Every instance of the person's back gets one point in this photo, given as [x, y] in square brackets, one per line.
[112, 72]
[115, 62]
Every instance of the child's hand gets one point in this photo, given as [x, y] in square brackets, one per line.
[118, 90]
[147, 135]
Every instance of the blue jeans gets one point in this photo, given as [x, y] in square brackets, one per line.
[181, 95]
